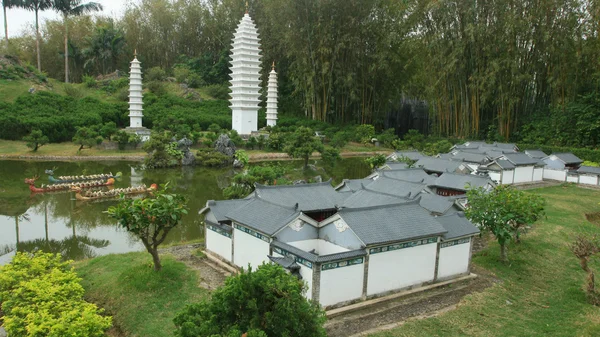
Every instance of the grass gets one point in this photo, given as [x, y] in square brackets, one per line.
[18, 148]
[141, 301]
[540, 290]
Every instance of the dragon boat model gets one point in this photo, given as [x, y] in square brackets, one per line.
[114, 193]
[71, 179]
[67, 186]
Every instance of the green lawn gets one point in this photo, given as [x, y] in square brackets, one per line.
[539, 292]
[18, 148]
[141, 301]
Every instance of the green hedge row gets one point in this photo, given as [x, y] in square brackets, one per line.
[42, 296]
[582, 153]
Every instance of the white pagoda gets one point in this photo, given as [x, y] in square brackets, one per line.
[135, 101]
[245, 77]
[272, 98]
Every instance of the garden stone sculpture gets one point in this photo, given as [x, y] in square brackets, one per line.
[183, 145]
[225, 145]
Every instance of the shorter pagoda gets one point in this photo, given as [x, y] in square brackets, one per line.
[272, 98]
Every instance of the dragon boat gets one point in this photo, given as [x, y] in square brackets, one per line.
[67, 186]
[71, 179]
[114, 193]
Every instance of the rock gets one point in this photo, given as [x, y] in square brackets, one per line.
[299, 182]
[183, 86]
[238, 164]
[318, 179]
[31, 90]
[225, 145]
[312, 167]
[2, 332]
[183, 145]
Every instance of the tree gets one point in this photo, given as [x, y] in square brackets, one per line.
[73, 8]
[265, 302]
[302, 143]
[504, 211]
[104, 48]
[35, 140]
[36, 6]
[150, 219]
[86, 137]
[108, 130]
[9, 4]
[376, 161]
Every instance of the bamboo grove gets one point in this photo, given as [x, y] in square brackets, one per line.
[482, 67]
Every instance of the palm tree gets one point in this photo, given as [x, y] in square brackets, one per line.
[36, 6]
[73, 8]
[104, 48]
[8, 4]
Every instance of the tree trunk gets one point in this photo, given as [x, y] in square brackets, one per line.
[503, 253]
[306, 161]
[80, 148]
[155, 259]
[5, 27]
[37, 42]
[66, 50]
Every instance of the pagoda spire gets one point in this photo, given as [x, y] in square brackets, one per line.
[245, 77]
[272, 97]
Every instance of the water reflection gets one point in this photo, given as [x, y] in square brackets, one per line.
[57, 222]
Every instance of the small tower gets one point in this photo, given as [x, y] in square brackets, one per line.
[135, 101]
[272, 98]
[135, 94]
[245, 77]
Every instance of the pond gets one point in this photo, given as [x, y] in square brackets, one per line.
[79, 229]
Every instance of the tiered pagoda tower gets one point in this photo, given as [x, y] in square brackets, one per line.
[135, 94]
[245, 77]
[272, 98]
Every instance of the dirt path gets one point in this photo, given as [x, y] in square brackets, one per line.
[210, 276]
[419, 305]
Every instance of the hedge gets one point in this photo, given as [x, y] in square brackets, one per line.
[41, 295]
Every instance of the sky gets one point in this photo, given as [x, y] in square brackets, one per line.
[19, 20]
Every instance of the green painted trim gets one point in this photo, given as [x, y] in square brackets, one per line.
[297, 258]
[403, 245]
[455, 242]
[341, 264]
[251, 232]
[219, 231]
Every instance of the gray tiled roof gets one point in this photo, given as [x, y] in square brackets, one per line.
[414, 175]
[472, 144]
[506, 146]
[263, 216]
[318, 258]
[445, 155]
[368, 198]
[310, 197]
[568, 158]
[460, 182]
[396, 165]
[471, 157]
[457, 225]
[436, 203]
[286, 262]
[353, 184]
[412, 155]
[391, 223]
[396, 187]
[220, 208]
[520, 159]
[538, 154]
[589, 169]
[505, 164]
[438, 165]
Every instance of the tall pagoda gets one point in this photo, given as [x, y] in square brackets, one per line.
[136, 101]
[272, 98]
[245, 77]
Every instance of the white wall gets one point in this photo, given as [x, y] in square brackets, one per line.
[588, 179]
[322, 247]
[249, 249]
[401, 268]
[572, 178]
[219, 244]
[555, 174]
[454, 260]
[538, 174]
[495, 176]
[523, 174]
[307, 276]
[341, 284]
[507, 176]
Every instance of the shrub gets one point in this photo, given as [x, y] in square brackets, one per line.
[89, 81]
[218, 91]
[330, 155]
[216, 128]
[86, 137]
[156, 87]
[364, 133]
[387, 137]
[72, 91]
[340, 139]
[156, 74]
[235, 138]
[376, 161]
[181, 73]
[242, 157]
[251, 143]
[211, 158]
[195, 80]
[42, 296]
[122, 138]
[35, 140]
